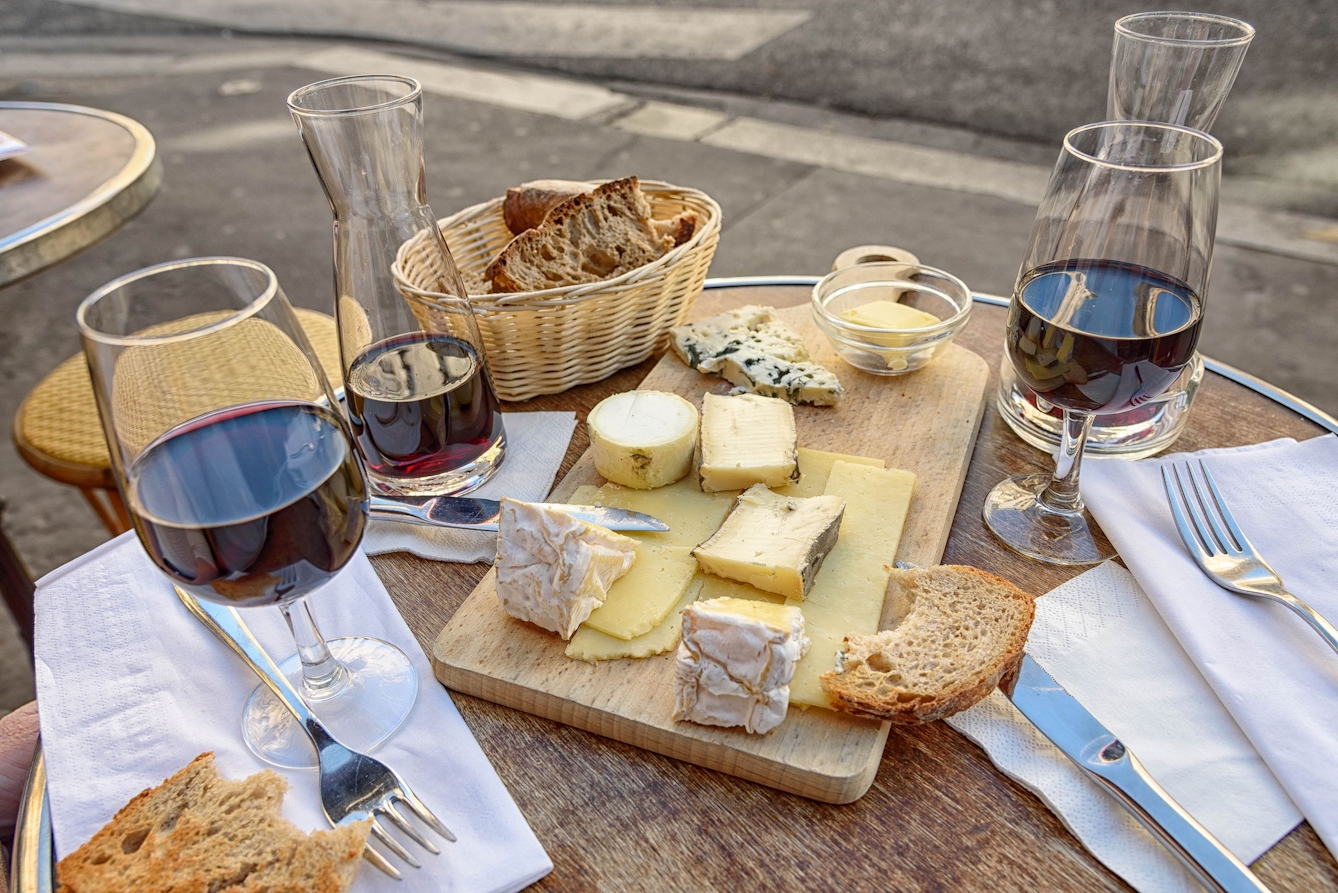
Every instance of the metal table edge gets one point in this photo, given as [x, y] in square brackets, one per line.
[34, 853]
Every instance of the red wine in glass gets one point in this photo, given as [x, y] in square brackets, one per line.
[421, 405]
[251, 505]
[1101, 336]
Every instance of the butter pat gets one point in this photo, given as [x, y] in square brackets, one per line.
[553, 570]
[735, 663]
[747, 440]
[889, 315]
[643, 439]
[776, 543]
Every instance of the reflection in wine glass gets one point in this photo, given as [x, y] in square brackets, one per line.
[240, 475]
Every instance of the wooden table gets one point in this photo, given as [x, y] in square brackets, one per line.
[939, 815]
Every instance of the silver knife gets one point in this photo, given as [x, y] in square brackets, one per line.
[1104, 759]
[482, 514]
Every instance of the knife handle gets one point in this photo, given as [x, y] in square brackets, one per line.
[1123, 777]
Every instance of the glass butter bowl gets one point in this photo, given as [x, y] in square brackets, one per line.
[851, 308]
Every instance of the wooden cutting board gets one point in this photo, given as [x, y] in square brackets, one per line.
[924, 422]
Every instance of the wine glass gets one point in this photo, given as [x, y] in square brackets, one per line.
[241, 479]
[1107, 306]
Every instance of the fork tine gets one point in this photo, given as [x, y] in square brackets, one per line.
[402, 823]
[420, 809]
[1241, 542]
[1204, 547]
[1187, 534]
[380, 861]
[393, 845]
[1211, 510]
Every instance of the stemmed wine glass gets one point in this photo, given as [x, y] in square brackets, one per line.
[1107, 306]
[241, 479]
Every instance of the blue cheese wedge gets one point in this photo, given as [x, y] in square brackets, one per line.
[758, 352]
[554, 570]
[773, 542]
[746, 440]
[735, 663]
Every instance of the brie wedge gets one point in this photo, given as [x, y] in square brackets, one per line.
[776, 543]
[643, 439]
[554, 570]
[735, 663]
[747, 440]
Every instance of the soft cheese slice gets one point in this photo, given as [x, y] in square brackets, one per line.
[643, 439]
[735, 661]
[773, 542]
[847, 596]
[758, 352]
[592, 646]
[747, 440]
[644, 597]
[554, 570]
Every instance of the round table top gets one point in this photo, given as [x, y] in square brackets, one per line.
[87, 173]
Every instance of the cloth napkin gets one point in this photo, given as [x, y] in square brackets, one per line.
[131, 687]
[535, 445]
[1101, 639]
[1277, 677]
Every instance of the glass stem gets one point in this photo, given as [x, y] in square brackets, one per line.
[1061, 495]
[322, 675]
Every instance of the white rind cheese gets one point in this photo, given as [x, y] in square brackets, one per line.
[643, 439]
[759, 353]
[747, 440]
[776, 543]
[735, 663]
[553, 570]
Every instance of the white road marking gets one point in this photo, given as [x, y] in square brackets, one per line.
[500, 28]
[671, 121]
[74, 65]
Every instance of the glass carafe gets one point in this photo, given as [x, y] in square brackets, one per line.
[419, 394]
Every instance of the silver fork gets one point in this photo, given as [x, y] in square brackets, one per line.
[353, 786]
[1226, 555]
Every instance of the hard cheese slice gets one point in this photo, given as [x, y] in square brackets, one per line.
[642, 598]
[815, 466]
[593, 646]
[692, 515]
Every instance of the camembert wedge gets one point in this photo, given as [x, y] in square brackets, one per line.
[553, 570]
[776, 543]
[747, 440]
[735, 663]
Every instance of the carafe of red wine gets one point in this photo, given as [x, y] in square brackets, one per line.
[419, 394]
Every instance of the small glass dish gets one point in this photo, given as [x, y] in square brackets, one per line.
[893, 350]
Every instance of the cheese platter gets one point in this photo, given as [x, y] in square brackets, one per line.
[895, 449]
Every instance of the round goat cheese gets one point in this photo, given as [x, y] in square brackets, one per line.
[643, 439]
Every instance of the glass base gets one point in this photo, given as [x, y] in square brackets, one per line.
[381, 690]
[1014, 513]
[451, 483]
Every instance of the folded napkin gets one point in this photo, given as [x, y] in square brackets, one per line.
[1100, 637]
[1277, 677]
[131, 687]
[535, 445]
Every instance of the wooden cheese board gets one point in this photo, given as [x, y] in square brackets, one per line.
[925, 422]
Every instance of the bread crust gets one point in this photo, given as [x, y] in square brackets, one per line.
[526, 205]
[866, 691]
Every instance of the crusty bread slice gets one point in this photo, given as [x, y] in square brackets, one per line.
[679, 228]
[593, 236]
[960, 630]
[198, 831]
[526, 205]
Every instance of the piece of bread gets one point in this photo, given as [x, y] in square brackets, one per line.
[593, 236]
[526, 205]
[198, 831]
[959, 632]
[678, 228]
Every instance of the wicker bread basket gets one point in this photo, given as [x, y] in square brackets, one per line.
[544, 342]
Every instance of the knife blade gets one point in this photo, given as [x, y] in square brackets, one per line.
[471, 513]
[1107, 761]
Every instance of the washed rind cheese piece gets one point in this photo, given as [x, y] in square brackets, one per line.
[758, 352]
[643, 439]
[553, 570]
[735, 663]
[747, 440]
[776, 543]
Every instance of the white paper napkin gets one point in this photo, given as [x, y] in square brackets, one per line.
[1275, 675]
[1100, 637]
[535, 445]
[131, 688]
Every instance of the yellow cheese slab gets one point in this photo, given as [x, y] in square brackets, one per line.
[815, 466]
[692, 515]
[641, 598]
[583, 495]
[593, 646]
[719, 587]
